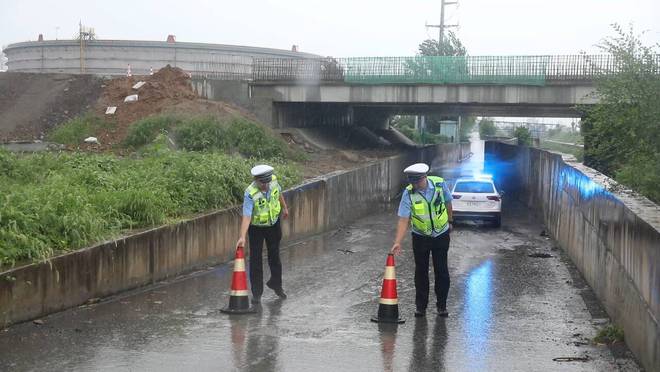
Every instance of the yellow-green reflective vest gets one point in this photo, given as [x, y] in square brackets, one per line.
[266, 210]
[428, 217]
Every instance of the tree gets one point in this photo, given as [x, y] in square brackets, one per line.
[523, 135]
[622, 131]
[451, 46]
[467, 126]
[486, 128]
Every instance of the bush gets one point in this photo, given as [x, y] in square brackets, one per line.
[203, 134]
[641, 173]
[523, 135]
[234, 135]
[486, 128]
[252, 140]
[51, 203]
[77, 129]
[145, 131]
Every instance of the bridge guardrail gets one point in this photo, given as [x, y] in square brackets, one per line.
[521, 70]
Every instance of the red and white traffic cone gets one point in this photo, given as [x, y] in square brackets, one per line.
[388, 306]
[128, 71]
[239, 302]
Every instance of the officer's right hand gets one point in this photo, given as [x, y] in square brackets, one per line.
[396, 249]
[240, 242]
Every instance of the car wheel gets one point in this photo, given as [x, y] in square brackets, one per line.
[498, 220]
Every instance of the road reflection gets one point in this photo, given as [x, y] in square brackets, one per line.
[425, 357]
[238, 326]
[478, 313]
[387, 333]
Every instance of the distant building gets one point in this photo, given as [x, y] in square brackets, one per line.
[449, 129]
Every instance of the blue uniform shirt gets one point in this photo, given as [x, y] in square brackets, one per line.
[248, 203]
[404, 205]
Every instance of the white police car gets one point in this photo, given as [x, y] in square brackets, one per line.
[476, 198]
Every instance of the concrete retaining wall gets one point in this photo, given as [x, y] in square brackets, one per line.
[613, 238]
[325, 203]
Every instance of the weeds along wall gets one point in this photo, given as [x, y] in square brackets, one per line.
[153, 255]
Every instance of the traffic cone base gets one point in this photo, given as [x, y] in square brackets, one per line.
[388, 307]
[239, 305]
[388, 314]
[239, 301]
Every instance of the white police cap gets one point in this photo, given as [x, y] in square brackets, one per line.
[262, 170]
[419, 169]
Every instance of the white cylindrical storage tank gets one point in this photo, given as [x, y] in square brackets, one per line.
[112, 57]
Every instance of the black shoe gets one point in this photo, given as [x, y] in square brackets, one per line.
[420, 313]
[278, 291]
[256, 300]
[443, 312]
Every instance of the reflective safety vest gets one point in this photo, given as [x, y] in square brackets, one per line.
[428, 217]
[266, 210]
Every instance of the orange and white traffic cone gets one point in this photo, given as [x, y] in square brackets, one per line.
[239, 302]
[128, 71]
[151, 70]
[388, 307]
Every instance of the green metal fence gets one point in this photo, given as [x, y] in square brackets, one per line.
[521, 70]
[446, 70]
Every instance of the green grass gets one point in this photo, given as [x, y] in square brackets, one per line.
[55, 202]
[145, 131]
[230, 136]
[566, 136]
[77, 129]
[566, 149]
[609, 335]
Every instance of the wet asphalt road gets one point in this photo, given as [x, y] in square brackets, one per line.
[508, 311]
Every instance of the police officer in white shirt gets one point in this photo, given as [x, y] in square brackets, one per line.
[426, 206]
[263, 205]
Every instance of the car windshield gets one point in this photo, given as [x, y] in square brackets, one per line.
[474, 187]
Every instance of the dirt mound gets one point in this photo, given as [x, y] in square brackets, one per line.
[167, 91]
[32, 104]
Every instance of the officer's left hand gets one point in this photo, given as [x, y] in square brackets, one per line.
[285, 213]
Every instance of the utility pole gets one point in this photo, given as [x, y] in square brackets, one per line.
[441, 27]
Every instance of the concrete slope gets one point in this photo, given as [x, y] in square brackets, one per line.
[30, 104]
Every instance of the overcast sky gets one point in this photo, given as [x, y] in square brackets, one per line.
[339, 28]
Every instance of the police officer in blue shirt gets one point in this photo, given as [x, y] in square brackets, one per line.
[263, 205]
[426, 206]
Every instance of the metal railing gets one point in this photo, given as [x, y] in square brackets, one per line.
[525, 70]
[224, 67]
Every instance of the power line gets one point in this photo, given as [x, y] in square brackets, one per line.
[441, 27]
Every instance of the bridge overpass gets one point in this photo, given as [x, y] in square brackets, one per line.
[365, 91]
